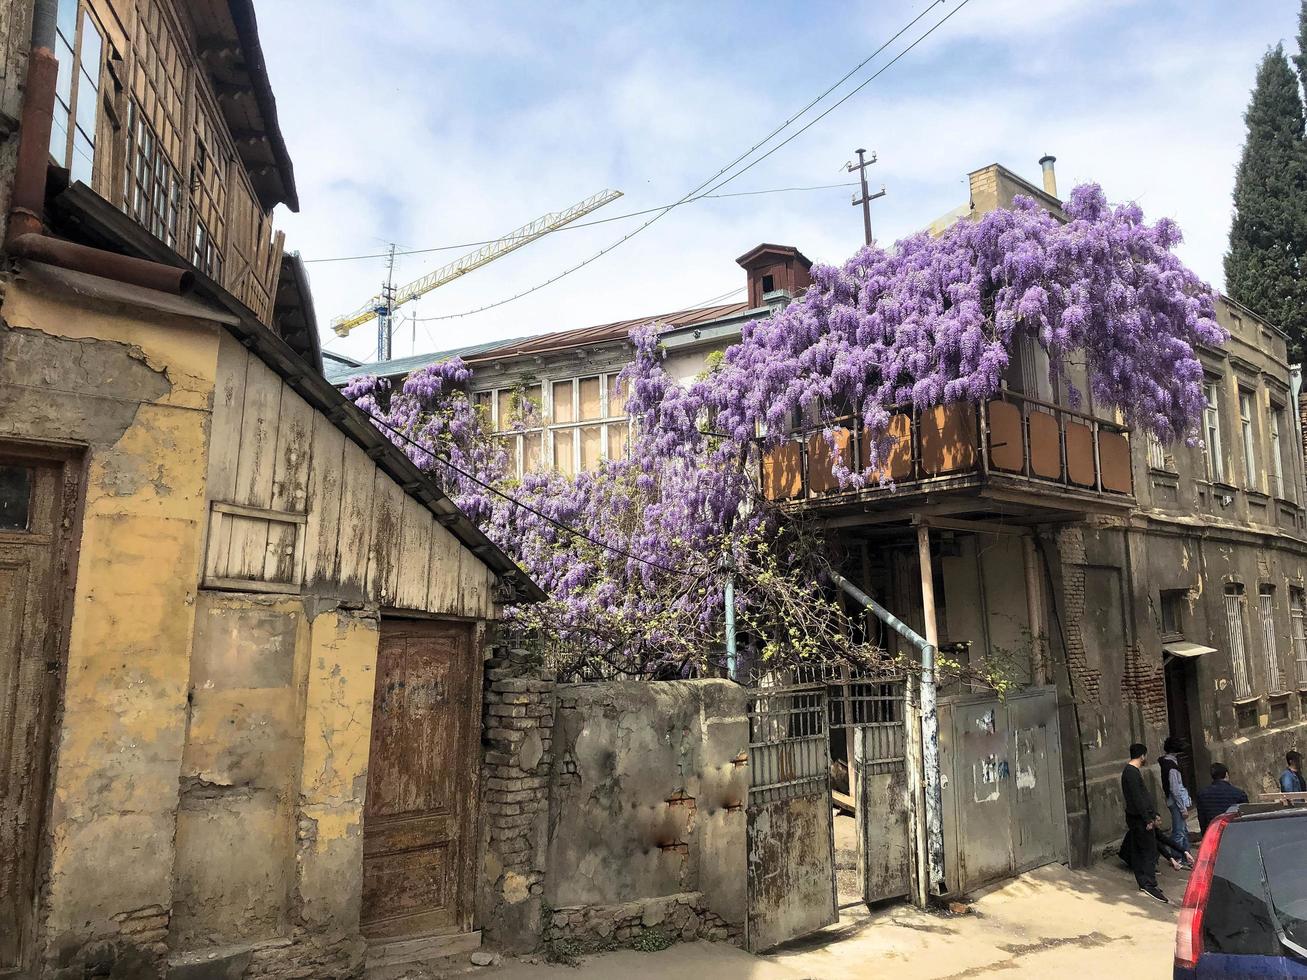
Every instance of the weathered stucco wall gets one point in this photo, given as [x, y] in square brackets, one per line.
[135, 389]
[649, 786]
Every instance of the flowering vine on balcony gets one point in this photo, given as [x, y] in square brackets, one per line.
[930, 322]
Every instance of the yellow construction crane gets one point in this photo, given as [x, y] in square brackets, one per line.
[382, 306]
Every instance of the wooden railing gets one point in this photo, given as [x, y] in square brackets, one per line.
[1012, 435]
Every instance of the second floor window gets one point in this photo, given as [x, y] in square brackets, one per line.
[78, 49]
[1251, 476]
[1212, 433]
[153, 192]
[1234, 599]
[1277, 460]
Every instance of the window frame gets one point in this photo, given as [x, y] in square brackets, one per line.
[1275, 438]
[1298, 632]
[1270, 648]
[1252, 478]
[65, 118]
[1212, 449]
[1237, 630]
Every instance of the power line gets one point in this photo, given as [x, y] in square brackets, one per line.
[585, 224]
[693, 194]
[525, 506]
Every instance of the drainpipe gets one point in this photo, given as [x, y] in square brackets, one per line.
[24, 236]
[730, 627]
[930, 850]
[27, 200]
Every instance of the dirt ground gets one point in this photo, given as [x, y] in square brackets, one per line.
[1052, 922]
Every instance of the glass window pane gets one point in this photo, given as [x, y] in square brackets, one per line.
[59, 133]
[617, 440]
[590, 398]
[483, 401]
[83, 160]
[563, 408]
[15, 497]
[505, 408]
[590, 447]
[533, 406]
[616, 398]
[532, 454]
[64, 85]
[88, 104]
[564, 462]
[91, 46]
[66, 19]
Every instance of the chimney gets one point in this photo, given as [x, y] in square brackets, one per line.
[774, 269]
[1050, 178]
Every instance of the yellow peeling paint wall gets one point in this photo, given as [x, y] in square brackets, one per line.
[134, 388]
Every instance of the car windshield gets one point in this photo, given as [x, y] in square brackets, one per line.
[1238, 918]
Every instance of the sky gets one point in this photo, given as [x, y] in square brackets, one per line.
[427, 124]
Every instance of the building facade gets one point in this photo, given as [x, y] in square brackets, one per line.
[231, 607]
[1151, 590]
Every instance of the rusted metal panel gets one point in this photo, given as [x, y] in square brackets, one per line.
[880, 746]
[1045, 445]
[1114, 459]
[1079, 453]
[782, 472]
[1006, 437]
[821, 460]
[418, 840]
[896, 449]
[948, 438]
[791, 845]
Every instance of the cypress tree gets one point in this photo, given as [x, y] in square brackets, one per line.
[1266, 266]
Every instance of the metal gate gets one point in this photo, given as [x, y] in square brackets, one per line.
[791, 837]
[1004, 798]
[875, 714]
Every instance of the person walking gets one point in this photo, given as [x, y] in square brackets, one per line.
[1141, 820]
[1215, 799]
[1177, 797]
[1291, 780]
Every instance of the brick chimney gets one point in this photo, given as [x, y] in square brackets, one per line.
[773, 268]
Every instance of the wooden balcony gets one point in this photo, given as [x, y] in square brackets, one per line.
[1018, 452]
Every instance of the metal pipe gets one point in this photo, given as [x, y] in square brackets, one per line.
[27, 200]
[97, 262]
[927, 732]
[730, 627]
[930, 717]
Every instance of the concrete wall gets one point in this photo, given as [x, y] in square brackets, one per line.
[648, 806]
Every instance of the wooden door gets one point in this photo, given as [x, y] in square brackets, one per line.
[31, 513]
[419, 846]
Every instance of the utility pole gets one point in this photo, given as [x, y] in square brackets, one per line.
[386, 308]
[866, 199]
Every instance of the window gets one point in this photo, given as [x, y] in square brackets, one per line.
[1236, 919]
[153, 192]
[1245, 715]
[1173, 601]
[1234, 599]
[1279, 709]
[1266, 606]
[205, 256]
[15, 497]
[1275, 421]
[1251, 477]
[1212, 433]
[78, 48]
[1156, 453]
[583, 423]
[1298, 631]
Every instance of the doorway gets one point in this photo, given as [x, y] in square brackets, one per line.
[1179, 673]
[37, 501]
[419, 847]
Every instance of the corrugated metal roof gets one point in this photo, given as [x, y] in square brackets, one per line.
[618, 330]
[537, 344]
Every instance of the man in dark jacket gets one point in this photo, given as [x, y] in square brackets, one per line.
[1141, 820]
[1220, 796]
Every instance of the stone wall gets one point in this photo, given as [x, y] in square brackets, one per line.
[647, 812]
[517, 737]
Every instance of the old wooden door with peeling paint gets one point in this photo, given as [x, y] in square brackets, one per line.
[31, 513]
[418, 844]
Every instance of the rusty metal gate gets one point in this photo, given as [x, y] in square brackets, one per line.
[874, 711]
[791, 836]
[1004, 796]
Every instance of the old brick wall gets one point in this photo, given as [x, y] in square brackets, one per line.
[518, 737]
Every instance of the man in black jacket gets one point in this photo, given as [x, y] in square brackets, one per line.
[1220, 796]
[1140, 820]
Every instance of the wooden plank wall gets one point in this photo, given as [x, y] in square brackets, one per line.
[296, 507]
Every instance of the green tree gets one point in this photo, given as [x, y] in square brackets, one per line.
[1264, 268]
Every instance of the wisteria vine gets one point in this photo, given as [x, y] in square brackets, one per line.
[930, 321]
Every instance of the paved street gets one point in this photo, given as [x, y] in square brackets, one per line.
[1048, 923]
